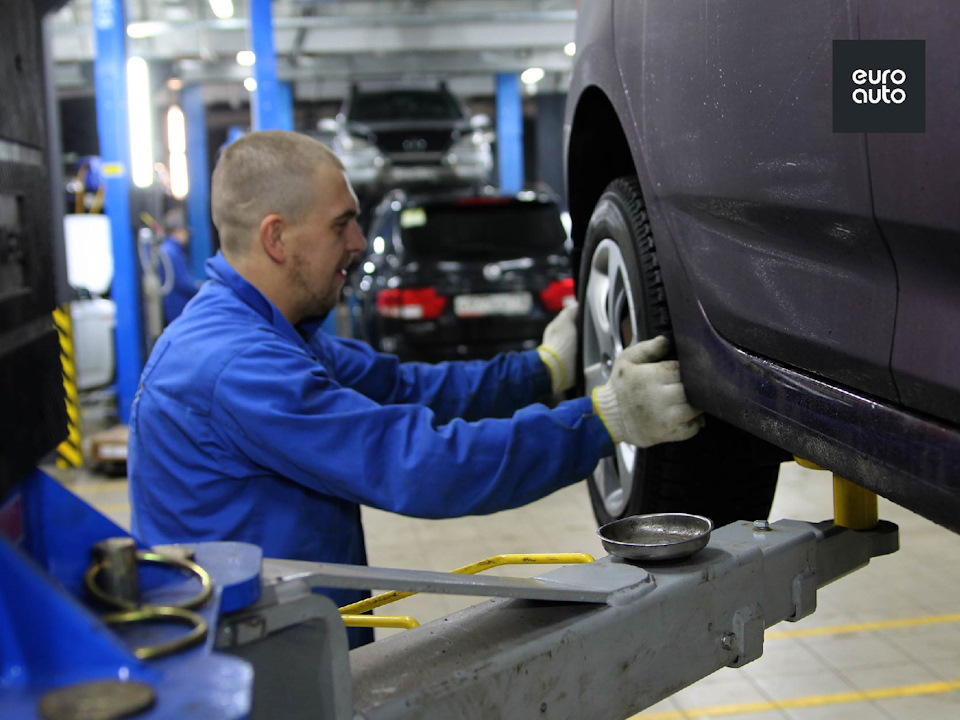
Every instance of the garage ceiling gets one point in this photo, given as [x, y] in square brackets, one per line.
[322, 46]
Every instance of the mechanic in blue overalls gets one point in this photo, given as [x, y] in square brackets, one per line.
[251, 424]
[173, 270]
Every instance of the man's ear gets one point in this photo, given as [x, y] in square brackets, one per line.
[271, 237]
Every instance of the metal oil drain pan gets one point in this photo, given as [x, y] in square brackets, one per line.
[658, 536]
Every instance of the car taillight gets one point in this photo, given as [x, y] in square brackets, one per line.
[555, 293]
[411, 303]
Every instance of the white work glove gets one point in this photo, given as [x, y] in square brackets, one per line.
[644, 403]
[559, 348]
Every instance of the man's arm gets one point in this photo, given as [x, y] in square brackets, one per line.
[301, 424]
[471, 390]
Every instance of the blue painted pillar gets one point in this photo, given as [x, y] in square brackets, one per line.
[110, 81]
[198, 174]
[284, 106]
[509, 132]
[266, 101]
[272, 101]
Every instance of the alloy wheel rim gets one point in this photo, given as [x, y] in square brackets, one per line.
[609, 325]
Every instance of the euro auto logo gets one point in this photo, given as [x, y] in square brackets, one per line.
[879, 86]
[877, 90]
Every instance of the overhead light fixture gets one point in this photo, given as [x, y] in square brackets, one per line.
[176, 130]
[139, 30]
[179, 183]
[222, 8]
[570, 49]
[246, 58]
[250, 84]
[531, 76]
[140, 114]
[177, 145]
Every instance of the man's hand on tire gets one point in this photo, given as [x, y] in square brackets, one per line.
[559, 348]
[644, 402]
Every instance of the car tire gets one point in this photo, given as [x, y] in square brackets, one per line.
[723, 473]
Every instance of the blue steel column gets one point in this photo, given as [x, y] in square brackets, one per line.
[284, 106]
[272, 101]
[509, 132]
[198, 175]
[110, 81]
[266, 101]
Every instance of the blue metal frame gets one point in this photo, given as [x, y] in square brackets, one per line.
[110, 80]
[509, 133]
[51, 638]
[284, 106]
[198, 174]
[267, 103]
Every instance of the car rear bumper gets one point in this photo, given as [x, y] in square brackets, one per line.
[391, 176]
[478, 339]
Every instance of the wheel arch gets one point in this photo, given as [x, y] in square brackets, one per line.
[598, 153]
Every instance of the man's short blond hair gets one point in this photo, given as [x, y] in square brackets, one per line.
[272, 171]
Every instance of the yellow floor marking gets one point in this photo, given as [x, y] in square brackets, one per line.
[863, 627]
[804, 702]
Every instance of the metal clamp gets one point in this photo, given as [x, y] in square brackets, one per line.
[206, 584]
[148, 613]
[116, 559]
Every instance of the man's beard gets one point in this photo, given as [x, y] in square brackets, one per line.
[320, 305]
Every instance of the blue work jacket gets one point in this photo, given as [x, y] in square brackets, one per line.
[247, 428]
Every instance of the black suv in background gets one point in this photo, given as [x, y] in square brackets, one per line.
[461, 275]
[402, 137]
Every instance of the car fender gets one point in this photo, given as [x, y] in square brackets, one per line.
[591, 94]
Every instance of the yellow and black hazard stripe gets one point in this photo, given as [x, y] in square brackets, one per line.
[69, 452]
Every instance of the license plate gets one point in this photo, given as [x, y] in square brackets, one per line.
[516, 303]
[415, 173]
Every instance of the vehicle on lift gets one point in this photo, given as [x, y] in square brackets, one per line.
[461, 275]
[406, 136]
[810, 279]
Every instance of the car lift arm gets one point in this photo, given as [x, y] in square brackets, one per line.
[666, 627]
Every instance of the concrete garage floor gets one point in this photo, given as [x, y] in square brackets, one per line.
[884, 643]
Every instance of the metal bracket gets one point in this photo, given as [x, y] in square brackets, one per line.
[804, 588]
[745, 641]
[306, 669]
[586, 583]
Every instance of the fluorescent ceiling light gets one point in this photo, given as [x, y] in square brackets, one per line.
[250, 84]
[246, 58]
[179, 184]
[222, 8]
[532, 75]
[138, 30]
[140, 109]
[570, 49]
[176, 130]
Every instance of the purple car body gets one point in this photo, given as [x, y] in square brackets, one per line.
[812, 277]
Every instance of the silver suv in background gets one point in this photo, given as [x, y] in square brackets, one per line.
[405, 136]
